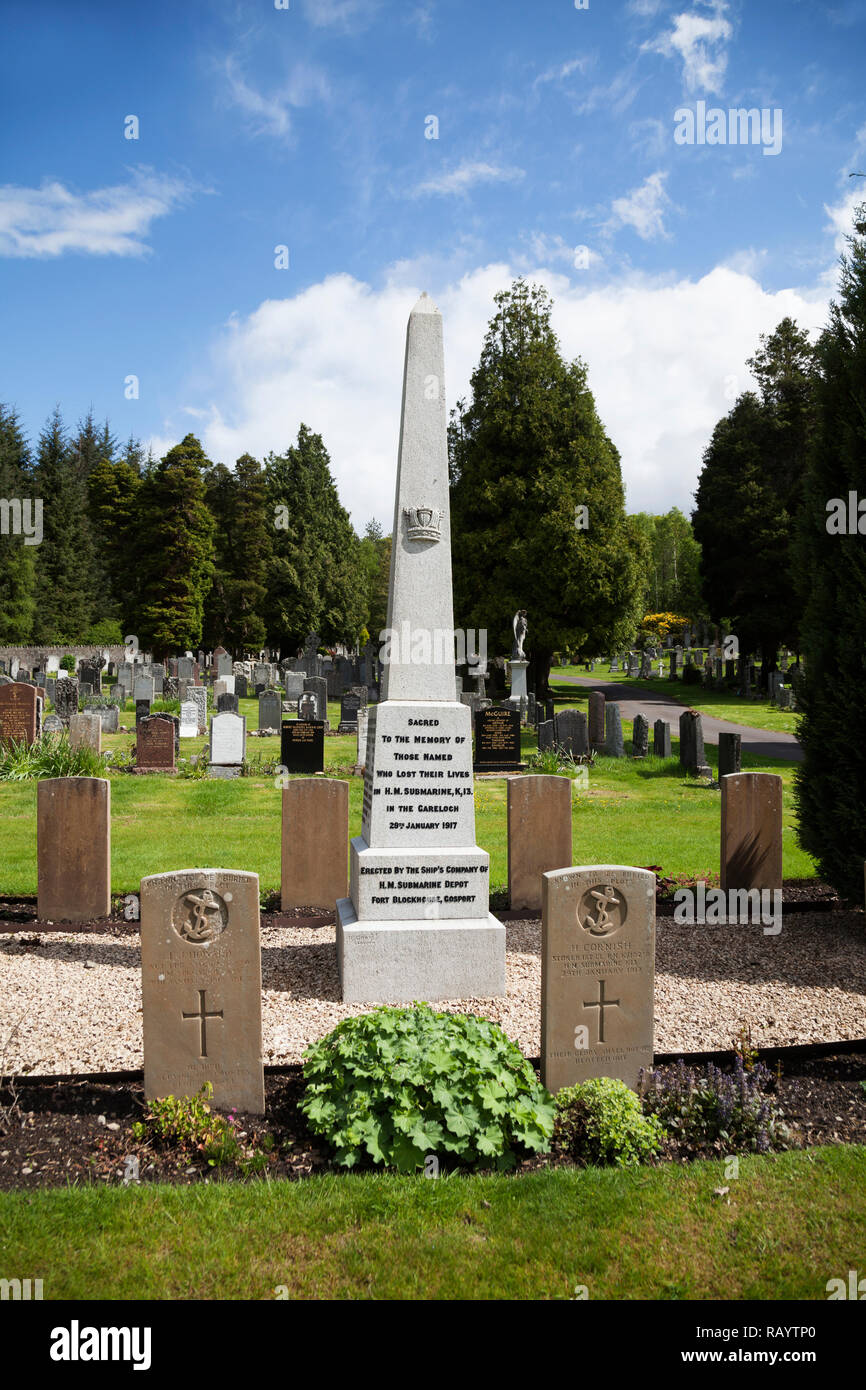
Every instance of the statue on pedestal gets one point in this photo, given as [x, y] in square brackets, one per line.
[519, 625]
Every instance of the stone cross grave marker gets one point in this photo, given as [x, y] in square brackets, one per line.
[202, 986]
[597, 974]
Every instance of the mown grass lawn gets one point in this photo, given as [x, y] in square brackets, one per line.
[636, 813]
[717, 704]
[792, 1222]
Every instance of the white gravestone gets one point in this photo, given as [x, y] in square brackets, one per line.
[188, 719]
[417, 924]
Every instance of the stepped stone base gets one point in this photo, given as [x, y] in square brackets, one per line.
[400, 961]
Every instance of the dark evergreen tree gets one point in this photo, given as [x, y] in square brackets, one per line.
[831, 781]
[17, 559]
[174, 551]
[375, 551]
[243, 546]
[64, 574]
[91, 447]
[317, 580]
[113, 489]
[526, 454]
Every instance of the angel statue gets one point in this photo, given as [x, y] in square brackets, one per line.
[519, 624]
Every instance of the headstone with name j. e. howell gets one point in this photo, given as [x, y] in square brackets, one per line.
[417, 924]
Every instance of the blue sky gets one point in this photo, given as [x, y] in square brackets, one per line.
[307, 127]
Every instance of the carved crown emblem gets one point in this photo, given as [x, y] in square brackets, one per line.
[423, 523]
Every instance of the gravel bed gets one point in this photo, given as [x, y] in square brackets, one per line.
[71, 1001]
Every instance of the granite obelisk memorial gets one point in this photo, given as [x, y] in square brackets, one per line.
[417, 924]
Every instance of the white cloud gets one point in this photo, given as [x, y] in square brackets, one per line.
[561, 71]
[340, 14]
[113, 221]
[699, 41]
[466, 175]
[271, 114]
[643, 209]
[662, 355]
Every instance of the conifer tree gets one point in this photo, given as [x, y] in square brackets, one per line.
[831, 781]
[527, 454]
[243, 545]
[17, 560]
[64, 573]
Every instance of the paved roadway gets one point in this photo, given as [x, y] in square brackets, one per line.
[767, 743]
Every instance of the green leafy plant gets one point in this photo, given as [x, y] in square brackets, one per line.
[48, 756]
[710, 1111]
[399, 1084]
[601, 1122]
[67, 662]
[189, 1125]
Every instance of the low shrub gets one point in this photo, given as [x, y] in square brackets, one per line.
[48, 756]
[710, 1111]
[397, 1085]
[601, 1122]
[189, 1126]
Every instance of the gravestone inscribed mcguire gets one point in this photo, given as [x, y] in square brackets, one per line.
[202, 986]
[597, 972]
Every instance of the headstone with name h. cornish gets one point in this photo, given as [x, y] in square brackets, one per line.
[597, 973]
[497, 740]
[202, 987]
[18, 714]
[302, 745]
[661, 739]
[154, 743]
[417, 924]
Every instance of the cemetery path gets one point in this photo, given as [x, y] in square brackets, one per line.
[767, 743]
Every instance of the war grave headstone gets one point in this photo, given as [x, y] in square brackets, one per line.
[270, 710]
[349, 707]
[315, 843]
[597, 974]
[188, 719]
[640, 736]
[85, 731]
[571, 732]
[596, 719]
[497, 740]
[661, 739]
[201, 986]
[73, 839]
[539, 835]
[730, 752]
[302, 745]
[751, 831]
[18, 713]
[155, 743]
[417, 923]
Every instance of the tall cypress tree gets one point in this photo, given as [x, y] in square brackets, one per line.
[17, 560]
[317, 580]
[64, 584]
[239, 504]
[831, 781]
[173, 553]
[526, 454]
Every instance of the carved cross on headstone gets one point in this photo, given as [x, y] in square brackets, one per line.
[203, 1017]
[601, 1004]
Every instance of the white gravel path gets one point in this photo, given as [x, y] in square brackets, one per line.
[71, 1002]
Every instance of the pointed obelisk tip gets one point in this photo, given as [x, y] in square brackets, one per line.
[425, 305]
